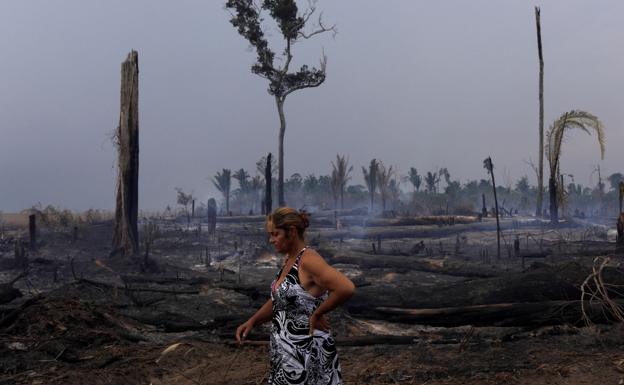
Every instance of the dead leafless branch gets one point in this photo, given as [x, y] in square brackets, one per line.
[594, 289]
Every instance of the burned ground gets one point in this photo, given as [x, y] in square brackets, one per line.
[85, 317]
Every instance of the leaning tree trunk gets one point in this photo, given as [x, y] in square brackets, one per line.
[540, 171]
[554, 207]
[280, 154]
[268, 180]
[125, 233]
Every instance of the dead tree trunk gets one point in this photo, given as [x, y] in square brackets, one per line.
[487, 163]
[125, 234]
[280, 155]
[212, 216]
[620, 233]
[554, 206]
[268, 203]
[540, 171]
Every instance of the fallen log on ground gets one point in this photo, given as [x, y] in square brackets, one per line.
[542, 284]
[532, 314]
[402, 263]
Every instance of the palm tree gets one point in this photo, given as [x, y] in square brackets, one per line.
[222, 182]
[431, 180]
[244, 187]
[383, 180]
[415, 179]
[489, 166]
[340, 176]
[370, 177]
[554, 138]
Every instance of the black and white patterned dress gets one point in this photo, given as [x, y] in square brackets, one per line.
[296, 356]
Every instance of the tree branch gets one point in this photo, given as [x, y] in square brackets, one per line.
[321, 29]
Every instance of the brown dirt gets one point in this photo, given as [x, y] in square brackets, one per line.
[74, 333]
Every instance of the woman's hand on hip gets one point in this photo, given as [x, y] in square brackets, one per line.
[318, 322]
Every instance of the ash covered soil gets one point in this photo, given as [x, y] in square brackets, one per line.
[87, 318]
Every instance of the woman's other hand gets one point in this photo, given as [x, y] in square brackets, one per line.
[318, 322]
[243, 330]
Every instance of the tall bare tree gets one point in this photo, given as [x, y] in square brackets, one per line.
[125, 232]
[554, 139]
[489, 166]
[223, 183]
[341, 171]
[370, 177]
[247, 19]
[540, 170]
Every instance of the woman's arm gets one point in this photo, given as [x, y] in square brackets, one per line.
[264, 314]
[340, 287]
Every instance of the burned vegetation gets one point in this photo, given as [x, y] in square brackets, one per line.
[455, 283]
[434, 302]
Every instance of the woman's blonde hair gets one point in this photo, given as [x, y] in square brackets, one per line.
[285, 217]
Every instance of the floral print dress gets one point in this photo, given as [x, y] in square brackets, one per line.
[296, 356]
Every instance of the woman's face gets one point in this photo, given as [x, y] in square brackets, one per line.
[277, 237]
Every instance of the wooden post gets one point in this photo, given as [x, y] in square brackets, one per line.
[212, 216]
[32, 229]
[484, 210]
[75, 234]
[125, 233]
[193, 209]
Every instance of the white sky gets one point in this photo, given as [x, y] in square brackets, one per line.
[426, 84]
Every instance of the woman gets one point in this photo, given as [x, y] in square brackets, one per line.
[302, 349]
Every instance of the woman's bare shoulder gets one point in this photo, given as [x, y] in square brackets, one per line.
[311, 258]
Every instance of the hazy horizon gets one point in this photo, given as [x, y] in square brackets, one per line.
[415, 84]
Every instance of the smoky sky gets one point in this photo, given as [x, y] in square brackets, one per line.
[423, 84]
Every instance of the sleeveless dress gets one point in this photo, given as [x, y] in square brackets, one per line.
[296, 356]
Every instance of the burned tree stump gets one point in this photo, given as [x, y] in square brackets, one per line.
[125, 233]
[212, 216]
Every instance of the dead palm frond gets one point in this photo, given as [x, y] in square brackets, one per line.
[556, 133]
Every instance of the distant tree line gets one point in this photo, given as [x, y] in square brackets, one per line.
[386, 191]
